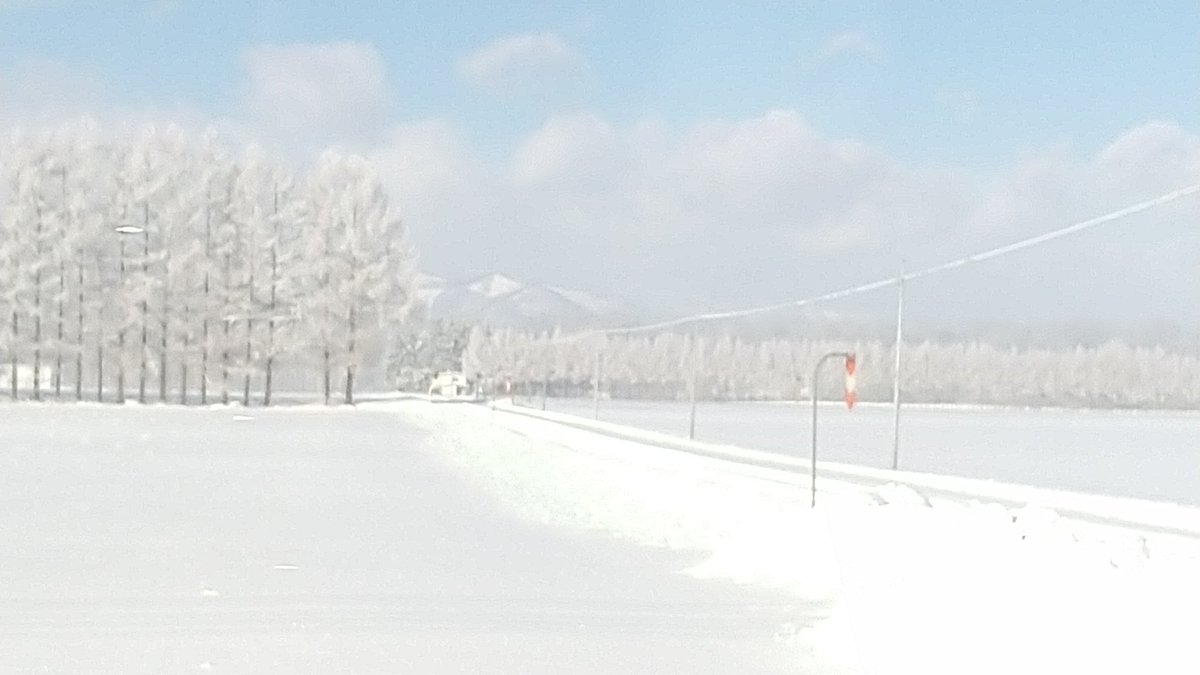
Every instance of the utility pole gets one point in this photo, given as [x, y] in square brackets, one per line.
[692, 388]
[896, 376]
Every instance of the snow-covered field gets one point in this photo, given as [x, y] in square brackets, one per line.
[310, 539]
[151, 539]
[915, 584]
[1144, 454]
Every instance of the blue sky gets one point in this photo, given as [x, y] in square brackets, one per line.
[964, 101]
[955, 81]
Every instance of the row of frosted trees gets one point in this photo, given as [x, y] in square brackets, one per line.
[727, 368]
[156, 264]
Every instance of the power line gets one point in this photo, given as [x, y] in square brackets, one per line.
[892, 281]
[1056, 234]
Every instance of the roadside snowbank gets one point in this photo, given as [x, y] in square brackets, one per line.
[915, 584]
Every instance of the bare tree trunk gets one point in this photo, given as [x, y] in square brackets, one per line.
[62, 292]
[270, 365]
[204, 362]
[145, 305]
[37, 356]
[225, 340]
[37, 314]
[142, 360]
[164, 327]
[246, 379]
[325, 311]
[79, 334]
[183, 360]
[100, 367]
[350, 360]
[353, 299]
[249, 341]
[162, 358]
[99, 336]
[327, 379]
[121, 366]
[267, 381]
[13, 355]
[204, 309]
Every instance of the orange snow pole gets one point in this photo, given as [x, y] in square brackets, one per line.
[851, 382]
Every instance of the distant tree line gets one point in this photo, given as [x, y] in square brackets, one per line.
[423, 347]
[154, 264]
[727, 368]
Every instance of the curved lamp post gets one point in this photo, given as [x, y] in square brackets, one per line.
[848, 357]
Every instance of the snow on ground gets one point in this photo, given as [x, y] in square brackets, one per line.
[752, 531]
[915, 584]
[154, 539]
[1148, 454]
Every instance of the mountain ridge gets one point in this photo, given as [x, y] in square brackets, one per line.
[499, 300]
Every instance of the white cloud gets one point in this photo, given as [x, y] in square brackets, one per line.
[317, 94]
[519, 63]
[762, 207]
[759, 208]
[448, 197]
[567, 147]
[847, 43]
[1158, 153]
[47, 92]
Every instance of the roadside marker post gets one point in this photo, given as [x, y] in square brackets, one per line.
[851, 399]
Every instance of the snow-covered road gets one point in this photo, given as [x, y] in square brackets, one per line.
[163, 540]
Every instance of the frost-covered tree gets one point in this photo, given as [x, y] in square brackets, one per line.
[360, 255]
[16, 157]
[1111, 374]
[288, 222]
[153, 254]
[423, 347]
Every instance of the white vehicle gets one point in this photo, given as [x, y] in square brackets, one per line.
[451, 386]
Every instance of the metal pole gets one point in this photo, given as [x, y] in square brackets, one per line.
[813, 465]
[896, 377]
[545, 387]
[692, 389]
[145, 306]
[815, 387]
[121, 333]
[596, 389]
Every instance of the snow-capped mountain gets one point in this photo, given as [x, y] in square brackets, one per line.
[499, 300]
[494, 285]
